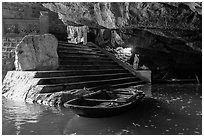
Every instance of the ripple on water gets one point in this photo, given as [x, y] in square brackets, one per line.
[168, 119]
[167, 130]
[196, 132]
[146, 126]
[136, 125]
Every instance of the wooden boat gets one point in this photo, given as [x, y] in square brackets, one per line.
[104, 103]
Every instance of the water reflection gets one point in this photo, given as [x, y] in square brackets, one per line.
[126, 123]
[19, 113]
[147, 88]
[167, 109]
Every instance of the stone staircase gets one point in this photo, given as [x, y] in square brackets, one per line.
[79, 66]
[84, 66]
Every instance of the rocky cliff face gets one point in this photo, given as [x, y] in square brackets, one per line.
[175, 20]
[138, 14]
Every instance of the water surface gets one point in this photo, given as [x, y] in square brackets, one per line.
[168, 109]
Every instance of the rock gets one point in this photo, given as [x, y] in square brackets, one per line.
[159, 18]
[37, 52]
[138, 14]
[123, 54]
[58, 98]
[76, 34]
[17, 85]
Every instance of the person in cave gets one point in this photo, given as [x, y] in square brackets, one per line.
[107, 37]
[134, 60]
[131, 60]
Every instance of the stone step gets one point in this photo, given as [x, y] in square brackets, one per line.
[70, 45]
[121, 85]
[86, 62]
[64, 73]
[88, 67]
[83, 55]
[65, 43]
[71, 79]
[128, 84]
[91, 46]
[81, 58]
[88, 84]
[78, 48]
[71, 52]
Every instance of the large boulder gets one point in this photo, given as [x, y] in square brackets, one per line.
[37, 52]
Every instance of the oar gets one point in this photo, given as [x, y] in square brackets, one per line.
[104, 100]
[123, 93]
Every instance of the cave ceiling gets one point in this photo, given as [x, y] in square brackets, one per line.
[175, 20]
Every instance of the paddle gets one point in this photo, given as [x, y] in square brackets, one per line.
[122, 93]
[104, 100]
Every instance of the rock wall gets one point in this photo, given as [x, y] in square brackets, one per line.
[177, 20]
[77, 34]
[37, 52]
[31, 10]
[121, 14]
[8, 54]
[19, 10]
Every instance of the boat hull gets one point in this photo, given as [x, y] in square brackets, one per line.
[101, 112]
[94, 110]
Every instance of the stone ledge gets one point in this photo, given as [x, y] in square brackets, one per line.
[23, 86]
[17, 84]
